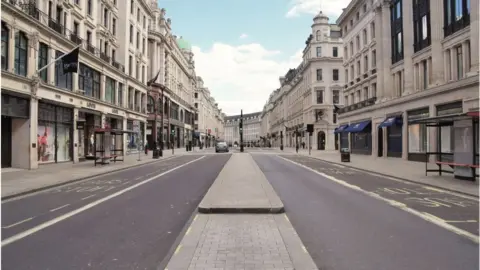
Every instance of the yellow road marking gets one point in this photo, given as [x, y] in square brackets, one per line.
[188, 230]
[178, 249]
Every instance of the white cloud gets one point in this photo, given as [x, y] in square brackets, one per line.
[243, 36]
[242, 77]
[332, 8]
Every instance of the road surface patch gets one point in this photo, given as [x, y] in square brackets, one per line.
[51, 222]
[412, 198]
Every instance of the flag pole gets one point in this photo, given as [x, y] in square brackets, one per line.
[49, 64]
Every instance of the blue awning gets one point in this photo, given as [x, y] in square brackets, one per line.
[394, 120]
[358, 127]
[340, 129]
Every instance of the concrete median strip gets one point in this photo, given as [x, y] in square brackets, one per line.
[241, 187]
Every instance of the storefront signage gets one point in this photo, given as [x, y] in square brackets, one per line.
[80, 125]
[91, 105]
[57, 96]
[115, 111]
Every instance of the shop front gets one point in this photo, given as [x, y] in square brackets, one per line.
[55, 133]
[417, 135]
[342, 136]
[135, 138]
[393, 126]
[116, 123]
[361, 137]
[15, 131]
[447, 143]
[86, 132]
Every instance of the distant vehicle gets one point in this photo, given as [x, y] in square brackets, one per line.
[221, 147]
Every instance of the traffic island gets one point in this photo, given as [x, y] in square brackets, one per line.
[241, 187]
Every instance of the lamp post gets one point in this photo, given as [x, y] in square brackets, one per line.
[160, 152]
[241, 130]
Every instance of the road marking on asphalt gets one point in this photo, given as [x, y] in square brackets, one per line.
[88, 206]
[466, 196]
[177, 249]
[84, 198]
[148, 174]
[125, 183]
[138, 178]
[18, 223]
[433, 219]
[188, 230]
[449, 221]
[58, 208]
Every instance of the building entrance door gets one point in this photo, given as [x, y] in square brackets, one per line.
[321, 140]
[6, 142]
[380, 142]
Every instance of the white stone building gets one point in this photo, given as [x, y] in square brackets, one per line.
[251, 128]
[173, 80]
[54, 120]
[209, 119]
[310, 92]
[407, 60]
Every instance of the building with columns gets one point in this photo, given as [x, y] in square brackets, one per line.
[407, 60]
[251, 129]
[209, 119]
[172, 83]
[309, 93]
[51, 117]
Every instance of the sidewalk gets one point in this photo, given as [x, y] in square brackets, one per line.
[241, 241]
[20, 182]
[398, 168]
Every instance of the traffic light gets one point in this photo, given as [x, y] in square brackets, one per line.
[173, 131]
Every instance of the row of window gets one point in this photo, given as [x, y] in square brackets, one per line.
[334, 51]
[358, 43]
[456, 17]
[335, 75]
[139, 41]
[321, 96]
[361, 95]
[356, 70]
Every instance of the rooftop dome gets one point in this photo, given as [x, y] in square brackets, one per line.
[183, 44]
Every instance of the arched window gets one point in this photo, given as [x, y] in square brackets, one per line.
[21, 54]
[319, 35]
[5, 39]
[150, 104]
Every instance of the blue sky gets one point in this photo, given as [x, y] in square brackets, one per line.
[241, 47]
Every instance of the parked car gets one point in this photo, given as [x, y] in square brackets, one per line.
[221, 147]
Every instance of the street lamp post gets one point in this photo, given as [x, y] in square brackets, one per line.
[160, 153]
[241, 130]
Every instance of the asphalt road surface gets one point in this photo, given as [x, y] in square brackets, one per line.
[125, 220]
[343, 228]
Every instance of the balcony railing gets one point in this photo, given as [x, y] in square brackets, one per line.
[358, 105]
[31, 9]
[105, 57]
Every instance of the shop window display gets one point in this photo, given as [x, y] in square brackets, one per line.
[46, 142]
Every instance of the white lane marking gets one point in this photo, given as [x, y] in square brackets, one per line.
[88, 197]
[110, 188]
[138, 178]
[433, 219]
[18, 223]
[88, 206]
[148, 174]
[465, 196]
[58, 208]
[125, 183]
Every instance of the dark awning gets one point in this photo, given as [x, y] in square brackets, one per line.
[340, 129]
[444, 120]
[390, 121]
[358, 127]
[112, 131]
